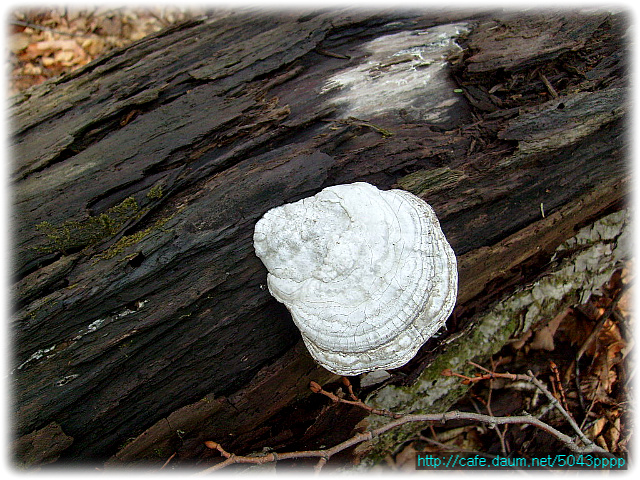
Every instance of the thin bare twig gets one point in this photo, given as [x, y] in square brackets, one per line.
[398, 420]
[315, 388]
[530, 377]
[168, 460]
[547, 84]
[559, 407]
[501, 434]
[325, 454]
[347, 383]
[49, 29]
[558, 382]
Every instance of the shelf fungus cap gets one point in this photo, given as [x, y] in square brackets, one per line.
[367, 275]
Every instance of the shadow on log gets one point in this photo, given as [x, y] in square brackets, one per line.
[142, 324]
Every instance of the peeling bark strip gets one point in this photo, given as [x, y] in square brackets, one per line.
[139, 301]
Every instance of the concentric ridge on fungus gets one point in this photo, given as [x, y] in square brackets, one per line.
[367, 275]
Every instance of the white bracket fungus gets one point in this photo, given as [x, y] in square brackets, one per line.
[367, 275]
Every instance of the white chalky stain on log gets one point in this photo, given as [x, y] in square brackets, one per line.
[405, 71]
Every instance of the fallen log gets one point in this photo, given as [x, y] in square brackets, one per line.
[142, 324]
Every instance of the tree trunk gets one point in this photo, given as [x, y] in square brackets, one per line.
[140, 305]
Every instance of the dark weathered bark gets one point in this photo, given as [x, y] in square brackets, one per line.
[138, 179]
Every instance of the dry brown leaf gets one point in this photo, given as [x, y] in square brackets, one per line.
[461, 438]
[612, 435]
[406, 459]
[74, 37]
[18, 42]
[625, 304]
[575, 330]
[522, 341]
[601, 442]
[598, 427]
[543, 338]
[599, 382]
[31, 69]
[93, 46]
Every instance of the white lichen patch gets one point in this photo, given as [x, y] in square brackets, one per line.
[37, 355]
[405, 73]
[52, 351]
[92, 327]
[125, 312]
[66, 379]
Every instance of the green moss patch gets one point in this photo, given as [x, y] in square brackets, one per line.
[74, 235]
[155, 192]
[428, 180]
[129, 240]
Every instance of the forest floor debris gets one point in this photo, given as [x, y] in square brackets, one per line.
[45, 43]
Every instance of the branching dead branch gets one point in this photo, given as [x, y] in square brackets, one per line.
[315, 388]
[323, 455]
[532, 379]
